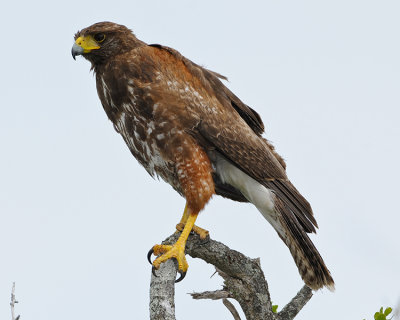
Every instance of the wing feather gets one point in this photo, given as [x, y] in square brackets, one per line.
[212, 81]
[295, 201]
[234, 129]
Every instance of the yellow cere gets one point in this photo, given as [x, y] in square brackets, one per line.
[87, 43]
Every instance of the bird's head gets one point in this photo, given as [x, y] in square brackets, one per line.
[102, 41]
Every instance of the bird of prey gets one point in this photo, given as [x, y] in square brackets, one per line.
[184, 125]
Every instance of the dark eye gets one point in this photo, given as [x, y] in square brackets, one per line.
[99, 37]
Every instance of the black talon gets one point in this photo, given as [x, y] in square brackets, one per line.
[149, 255]
[153, 271]
[182, 276]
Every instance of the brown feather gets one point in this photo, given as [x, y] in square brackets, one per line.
[172, 113]
[309, 262]
[210, 80]
[295, 201]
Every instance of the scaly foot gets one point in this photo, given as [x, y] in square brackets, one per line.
[177, 250]
[167, 252]
[203, 233]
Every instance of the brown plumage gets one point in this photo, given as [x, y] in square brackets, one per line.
[183, 124]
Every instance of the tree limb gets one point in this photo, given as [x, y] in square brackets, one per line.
[12, 303]
[244, 281]
[296, 304]
[217, 295]
[231, 308]
[213, 295]
[162, 292]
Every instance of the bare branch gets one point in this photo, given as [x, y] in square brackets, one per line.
[296, 304]
[217, 295]
[213, 295]
[12, 303]
[162, 292]
[244, 281]
[243, 277]
[231, 308]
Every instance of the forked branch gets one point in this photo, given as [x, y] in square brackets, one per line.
[244, 281]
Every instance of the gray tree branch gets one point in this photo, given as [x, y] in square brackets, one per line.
[213, 295]
[12, 303]
[296, 304]
[231, 308]
[162, 292]
[244, 281]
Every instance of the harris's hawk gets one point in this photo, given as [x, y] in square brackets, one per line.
[182, 124]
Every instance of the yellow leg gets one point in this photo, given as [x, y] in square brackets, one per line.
[177, 250]
[203, 233]
[185, 216]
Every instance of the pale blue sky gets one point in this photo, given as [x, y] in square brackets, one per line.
[78, 214]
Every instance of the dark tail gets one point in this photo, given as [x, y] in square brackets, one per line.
[309, 262]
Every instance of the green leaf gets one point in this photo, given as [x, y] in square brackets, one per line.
[275, 308]
[380, 316]
[388, 311]
[381, 310]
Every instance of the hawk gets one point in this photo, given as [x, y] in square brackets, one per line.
[184, 125]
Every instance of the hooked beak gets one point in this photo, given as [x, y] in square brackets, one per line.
[83, 45]
[76, 51]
